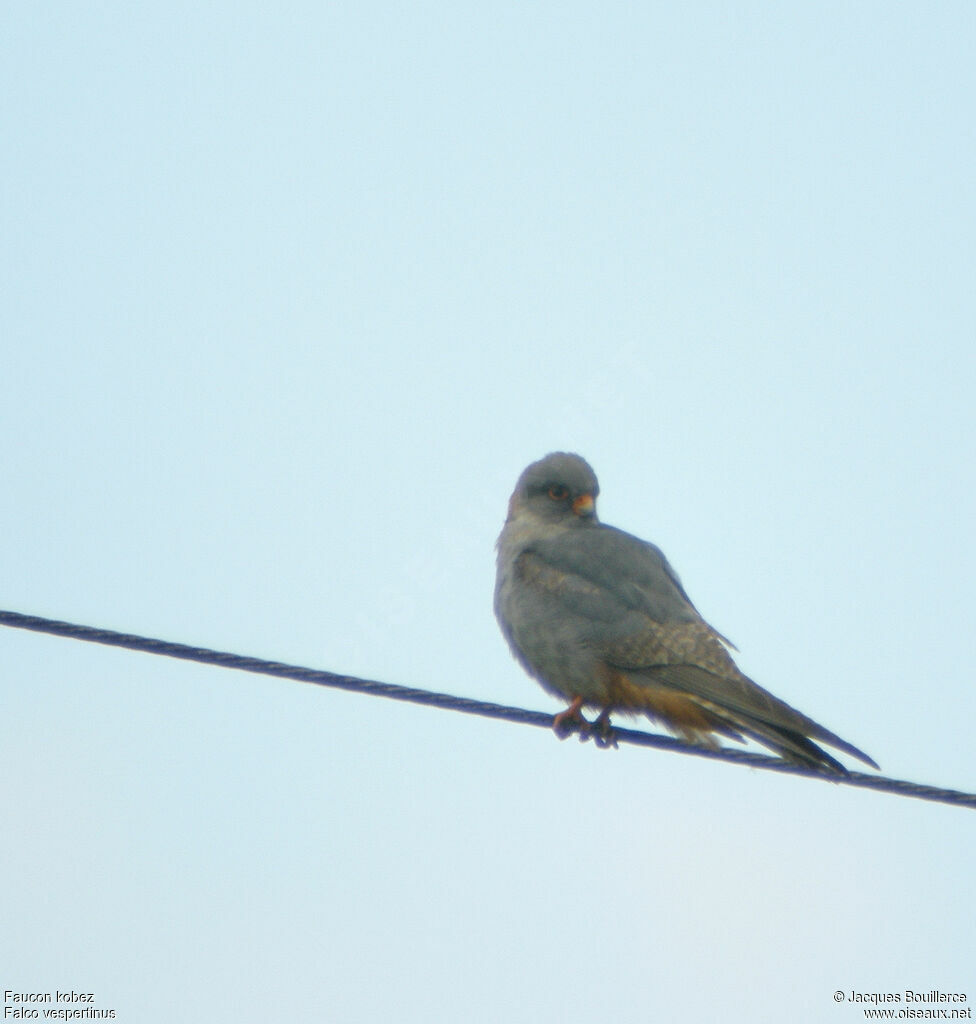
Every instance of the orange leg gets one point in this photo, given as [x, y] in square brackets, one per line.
[571, 720]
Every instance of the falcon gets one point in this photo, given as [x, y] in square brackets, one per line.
[601, 620]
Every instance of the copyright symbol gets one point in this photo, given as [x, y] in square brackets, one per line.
[838, 996]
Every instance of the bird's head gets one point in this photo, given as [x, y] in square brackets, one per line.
[561, 488]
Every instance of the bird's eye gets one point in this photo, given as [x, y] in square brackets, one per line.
[558, 492]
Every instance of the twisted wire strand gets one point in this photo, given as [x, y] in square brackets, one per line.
[466, 705]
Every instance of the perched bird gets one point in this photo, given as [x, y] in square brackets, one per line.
[601, 619]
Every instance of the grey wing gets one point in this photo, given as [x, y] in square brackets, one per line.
[690, 659]
[636, 574]
[587, 601]
[641, 621]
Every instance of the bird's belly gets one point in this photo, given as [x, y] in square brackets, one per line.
[553, 650]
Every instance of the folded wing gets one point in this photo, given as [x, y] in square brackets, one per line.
[642, 625]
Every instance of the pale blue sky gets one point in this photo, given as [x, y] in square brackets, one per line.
[290, 297]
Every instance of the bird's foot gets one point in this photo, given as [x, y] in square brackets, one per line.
[602, 732]
[572, 720]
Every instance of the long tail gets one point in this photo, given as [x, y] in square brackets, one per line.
[695, 703]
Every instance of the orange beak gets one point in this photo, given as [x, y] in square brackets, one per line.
[583, 505]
